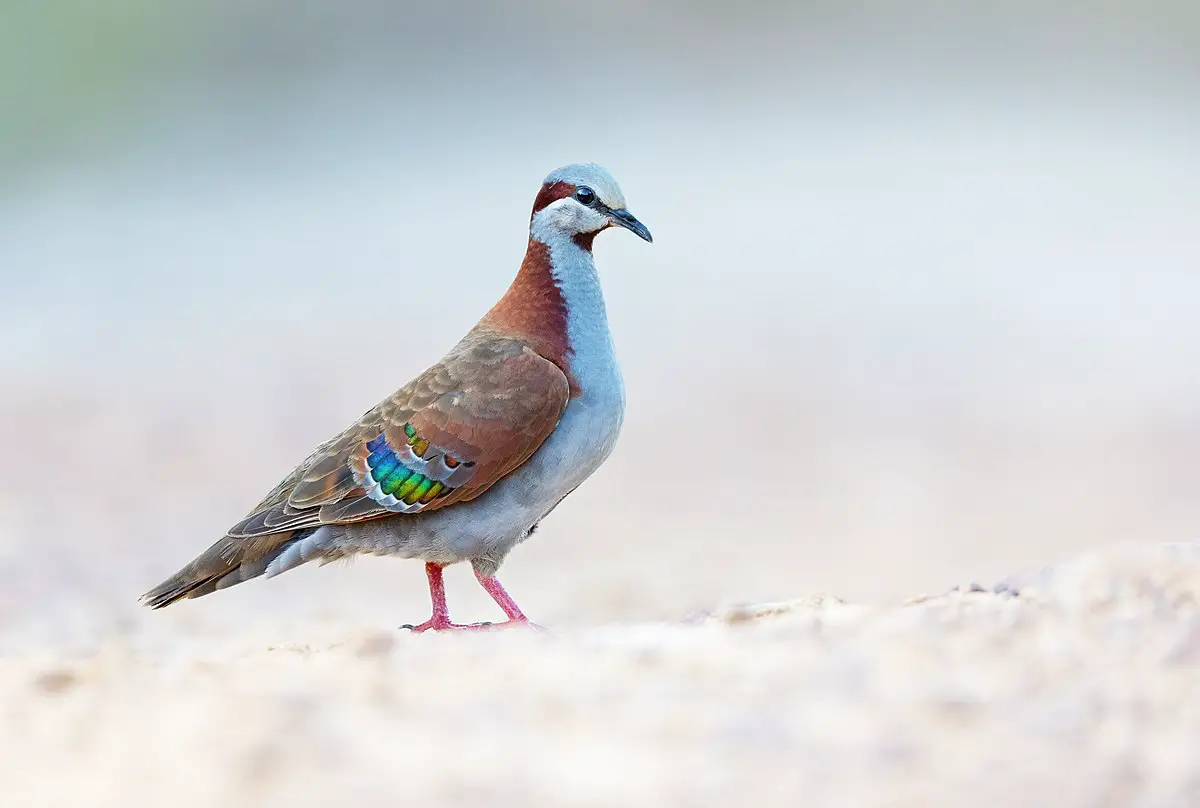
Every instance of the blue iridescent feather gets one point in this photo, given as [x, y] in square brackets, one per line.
[384, 467]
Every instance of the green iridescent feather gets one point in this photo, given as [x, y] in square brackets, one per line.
[407, 487]
[418, 492]
[395, 479]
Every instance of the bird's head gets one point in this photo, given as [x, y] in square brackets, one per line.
[579, 201]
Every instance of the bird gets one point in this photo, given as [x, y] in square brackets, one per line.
[464, 461]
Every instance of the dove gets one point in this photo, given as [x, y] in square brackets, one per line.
[464, 461]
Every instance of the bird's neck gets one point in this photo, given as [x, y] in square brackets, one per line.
[555, 302]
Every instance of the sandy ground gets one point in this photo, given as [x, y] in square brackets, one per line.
[1081, 690]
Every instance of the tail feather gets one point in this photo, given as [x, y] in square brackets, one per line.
[232, 561]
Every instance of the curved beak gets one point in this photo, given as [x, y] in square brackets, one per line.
[627, 220]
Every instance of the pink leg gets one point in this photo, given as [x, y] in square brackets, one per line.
[440, 620]
[515, 616]
[511, 610]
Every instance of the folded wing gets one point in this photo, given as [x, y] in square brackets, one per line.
[446, 437]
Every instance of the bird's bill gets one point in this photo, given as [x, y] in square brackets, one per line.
[627, 220]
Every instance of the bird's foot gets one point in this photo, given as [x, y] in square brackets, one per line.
[523, 622]
[443, 624]
[433, 624]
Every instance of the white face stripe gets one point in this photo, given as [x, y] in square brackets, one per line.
[593, 176]
[566, 216]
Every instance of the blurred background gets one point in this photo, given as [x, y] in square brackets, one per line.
[933, 265]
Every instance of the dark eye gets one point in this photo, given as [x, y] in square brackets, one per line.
[585, 195]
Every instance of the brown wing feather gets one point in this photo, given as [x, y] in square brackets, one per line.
[466, 422]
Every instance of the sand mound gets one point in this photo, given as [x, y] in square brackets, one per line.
[1075, 685]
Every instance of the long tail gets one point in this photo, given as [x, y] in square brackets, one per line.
[231, 561]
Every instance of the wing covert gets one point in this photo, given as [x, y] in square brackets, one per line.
[446, 437]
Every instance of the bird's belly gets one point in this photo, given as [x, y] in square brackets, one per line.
[583, 440]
